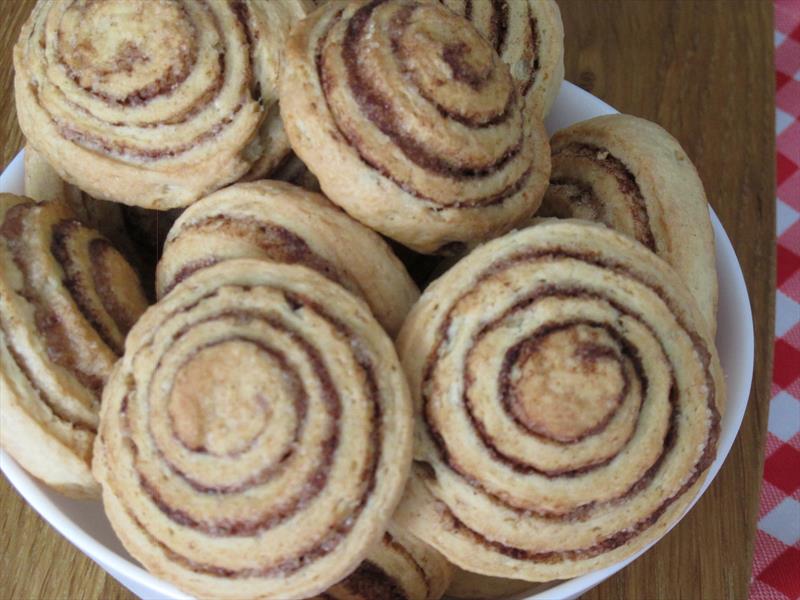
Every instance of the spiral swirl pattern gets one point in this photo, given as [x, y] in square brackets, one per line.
[279, 222]
[67, 300]
[256, 434]
[398, 567]
[568, 399]
[411, 122]
[153, 102]
[529, 37]
[633, 176]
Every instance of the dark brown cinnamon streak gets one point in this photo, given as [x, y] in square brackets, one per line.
[49, 325]
[537, 65]
[626, 183]
[278, 243]
[499, 24]
[569, 400]
[378, 109]
[66, 300]
[75, 279]
[398, 567]
[41, 394]
[142, 443]
[630, 352]
[370, 581]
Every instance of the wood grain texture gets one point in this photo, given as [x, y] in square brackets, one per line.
[705, 73]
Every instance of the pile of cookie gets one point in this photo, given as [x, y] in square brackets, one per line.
[210, 313]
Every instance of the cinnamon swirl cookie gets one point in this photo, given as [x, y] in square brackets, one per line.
[67, 299]
[633, 176]
[154, 103]
[256, 435]
[412, 123]
[399, 566]
[568, 400]
[529, 37]
[279, 222]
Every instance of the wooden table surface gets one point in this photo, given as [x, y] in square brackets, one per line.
[703, 70]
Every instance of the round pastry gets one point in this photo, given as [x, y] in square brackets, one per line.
[568, 401]
[153, 103]
[471, 586]
[279, 222]
[633, 176]
[256, 435]
[398, 566]
[529, 37]
[67, 300]
[412, 123]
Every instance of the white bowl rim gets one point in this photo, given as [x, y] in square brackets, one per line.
[37, 495]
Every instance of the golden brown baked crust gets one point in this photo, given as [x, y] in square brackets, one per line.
[411, 122]
[399, 566]
[568, 399]
[529, 37]
[633, 176]
[67, 299]
[151, 102]
[256, 435]
[275, 221]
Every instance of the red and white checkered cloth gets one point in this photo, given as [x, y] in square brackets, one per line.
[776, 560]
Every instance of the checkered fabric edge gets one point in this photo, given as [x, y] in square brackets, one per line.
[776, 558]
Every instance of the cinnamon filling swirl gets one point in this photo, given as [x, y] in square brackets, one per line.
[276, 242]
[195, 426]
[467, 61]
[49, 325]
[90, 64]
[533, 24]
[547, 361]
[158, 58]
[565, 191]
[495, 24]
[55, 407]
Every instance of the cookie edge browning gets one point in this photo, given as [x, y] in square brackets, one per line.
[422, 514]
[381, 278]
[344, 170]
[674, 193]
[107, 178]
[397, 472]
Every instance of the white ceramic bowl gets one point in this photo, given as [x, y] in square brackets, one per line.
[84, 524]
